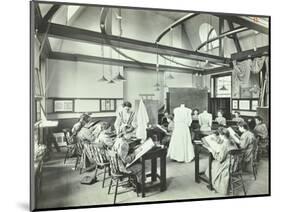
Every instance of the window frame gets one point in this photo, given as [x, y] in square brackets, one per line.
[214, 78]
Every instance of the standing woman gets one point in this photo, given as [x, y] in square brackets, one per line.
[181, 148]
[125, 120]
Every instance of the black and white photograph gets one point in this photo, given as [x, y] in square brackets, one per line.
[136, 105]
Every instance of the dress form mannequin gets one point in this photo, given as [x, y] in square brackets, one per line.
[181, 148]
[205, 121]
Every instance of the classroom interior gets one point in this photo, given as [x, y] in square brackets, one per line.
[90, 59]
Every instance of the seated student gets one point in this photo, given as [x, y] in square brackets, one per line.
[237, 117]
[170, 128]
[220, 119]
[164, 120]
[75, 139]
[195, 114]
[81, 122]
[220, 164]
[121, 146]
[247, 140]
[106, 136]
[260, 129]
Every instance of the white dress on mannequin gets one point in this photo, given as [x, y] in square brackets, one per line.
[181, 148]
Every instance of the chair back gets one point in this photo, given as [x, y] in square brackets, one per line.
[114, 163]
[236, 158]
[99, 154]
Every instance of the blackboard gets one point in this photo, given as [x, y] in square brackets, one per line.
[191, 97]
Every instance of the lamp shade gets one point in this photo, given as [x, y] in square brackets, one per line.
[103, 79]
[170, 77]
[119, 77]
[157, 85]
[111, 81]
[223, 88]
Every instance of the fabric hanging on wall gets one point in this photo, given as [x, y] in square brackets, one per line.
[142, 121]
[258, 64]
[267, 74]
[265, 87]
[242, 70]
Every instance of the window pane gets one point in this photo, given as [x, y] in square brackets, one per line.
[223, 86]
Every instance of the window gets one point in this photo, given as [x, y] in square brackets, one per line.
[37, 110]
[222, 86]
[207, 32]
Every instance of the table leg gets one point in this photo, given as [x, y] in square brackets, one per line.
[196, 162]
[163, 172]
[153, 169]
[210, 186]
[143, 178]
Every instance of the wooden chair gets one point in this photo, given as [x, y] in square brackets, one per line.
[101, 160]
[254, 160]
[118, 176]
[263, 144]
[236, 158]
[71, 148]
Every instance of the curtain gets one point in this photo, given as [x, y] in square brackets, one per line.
[258, 64]
[242, 70]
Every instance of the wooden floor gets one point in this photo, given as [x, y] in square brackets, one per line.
[61, 185]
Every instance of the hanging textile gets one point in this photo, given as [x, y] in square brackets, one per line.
[242, 70]
[258, 64]
[265, 85]
[142, 121]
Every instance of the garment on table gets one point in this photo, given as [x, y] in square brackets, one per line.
[220, 167]
[121, 147]
[205, 121]
[261, 130]
[221, 121]
[181, 148]
[238, 119]
[142, 121]
[125, 120]
[167, 138]
[247, 142]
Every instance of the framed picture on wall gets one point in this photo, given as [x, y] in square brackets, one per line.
[245, 92]
[254, 105]
[65, 105]
[235, 105]
[108, 105]
[244, 105]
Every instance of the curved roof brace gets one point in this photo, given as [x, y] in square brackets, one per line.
[173, 25]
[103, 17]
[168, 29]
[231, 32]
